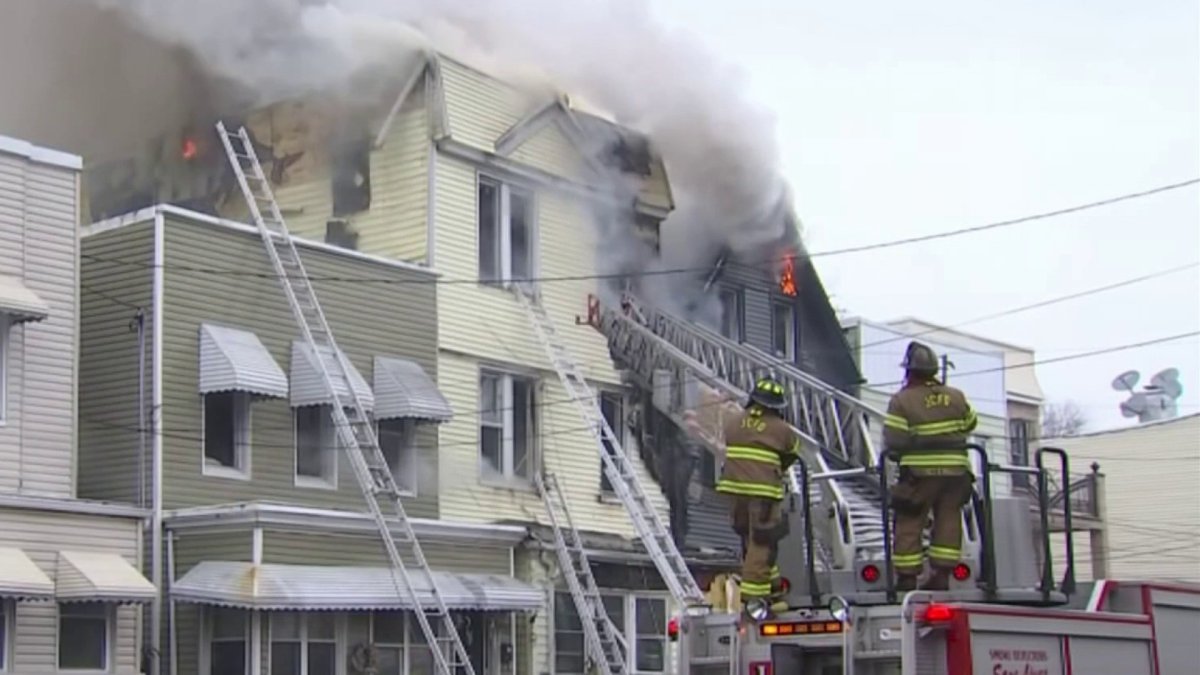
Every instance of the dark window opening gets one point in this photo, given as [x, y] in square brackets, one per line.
[340, 233]
[612, 409]
[489, 230]
[351, 163]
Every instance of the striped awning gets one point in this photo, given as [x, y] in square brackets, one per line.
[236, 360]
[403, 390]
[89, 576]
[21, 578]
[308, 387]
[310, 587]
[20, 303]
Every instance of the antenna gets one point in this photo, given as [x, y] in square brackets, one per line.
[1168, 381]
[1126, 381]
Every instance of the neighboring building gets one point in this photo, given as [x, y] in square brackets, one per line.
[253, 483]
[1023, 392]
[484, 183]
[69, 579]
[1153, 507]
[879, 350]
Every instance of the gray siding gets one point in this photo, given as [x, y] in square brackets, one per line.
[321, 548]
[41, 535]
[108, 388]
[708, 522]
[38, 223]
[191, 548]
[395, 317]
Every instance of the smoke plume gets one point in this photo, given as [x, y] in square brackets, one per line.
[92, 75]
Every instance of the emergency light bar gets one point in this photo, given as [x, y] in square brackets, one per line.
[800, 628]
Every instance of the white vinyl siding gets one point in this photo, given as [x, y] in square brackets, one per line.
[85, 635]
[316, 446]
[226, 431]
[39, 227]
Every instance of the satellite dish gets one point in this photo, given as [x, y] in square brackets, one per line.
[1135, 406]
[1127, 380]
[1167, 381]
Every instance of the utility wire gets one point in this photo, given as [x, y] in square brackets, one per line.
[1036, 305]
[680, 270]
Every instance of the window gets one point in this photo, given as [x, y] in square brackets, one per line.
[783, 331]
[506, 425]
[570, 654]
[303, 643]
[227, 641]
[506, 234]
[83, 636]
[397, 441]
[6, 624]
[4, 326]
[226, 433]
[733, 321]
[611, 406]
[316, 446]
[641, 619]
[351, 176]
[1018, 449]
[651, 626]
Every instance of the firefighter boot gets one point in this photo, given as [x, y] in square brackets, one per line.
[938, 580]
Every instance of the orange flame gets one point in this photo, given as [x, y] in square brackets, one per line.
[787, 278]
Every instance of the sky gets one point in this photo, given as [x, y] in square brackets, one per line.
[899, 120]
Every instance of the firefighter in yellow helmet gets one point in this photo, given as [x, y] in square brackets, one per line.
[928, 424]
[759, 448]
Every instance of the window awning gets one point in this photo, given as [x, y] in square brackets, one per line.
[308, 387]
[86, 576]
[305, 587]
[21, 578]
[403, 390]
[236, 360]
[20, 303]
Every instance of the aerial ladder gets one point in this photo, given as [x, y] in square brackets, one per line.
[840, 453]
[354, 427]
[627, 486]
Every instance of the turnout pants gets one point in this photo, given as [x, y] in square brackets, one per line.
[761, 524]
[913, 498]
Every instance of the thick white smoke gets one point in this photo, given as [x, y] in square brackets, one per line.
[95, 80]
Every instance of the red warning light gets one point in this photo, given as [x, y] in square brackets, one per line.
[938, 613]
[869, 574]
[961, 572]
[785, 585]
[673, 628]
[190, 149]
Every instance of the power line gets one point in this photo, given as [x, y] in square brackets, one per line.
[1007, 223]
[1036, 305]
[680, 270]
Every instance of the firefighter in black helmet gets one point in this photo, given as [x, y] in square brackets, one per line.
[928, 424]
[760, 446]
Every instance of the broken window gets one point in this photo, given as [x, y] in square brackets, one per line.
[397, 443]
[611, 406]
[506, 232]
[733, 321]
[226, 432]
[783, 330]
[351, 168]
[316, 450]
[506, 425]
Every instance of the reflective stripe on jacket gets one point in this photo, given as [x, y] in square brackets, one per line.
[929, 424]
[759, 449]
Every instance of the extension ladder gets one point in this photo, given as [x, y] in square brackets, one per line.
[655, 536]
[354, 427]
[602, 640]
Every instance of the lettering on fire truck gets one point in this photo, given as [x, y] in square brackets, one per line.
[1019, 662]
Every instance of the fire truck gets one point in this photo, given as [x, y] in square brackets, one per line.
[1003, 620]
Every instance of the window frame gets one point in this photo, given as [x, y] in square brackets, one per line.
[738, 295]
[8, 630]
[110, 613]
[207, 632]
[507, 477]
[243, 421]
[5, 327]
[791, 351]
[503, 249]
[338, 641]
[606, 489]
[408, 442]
[328, 433]
[628, 626]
